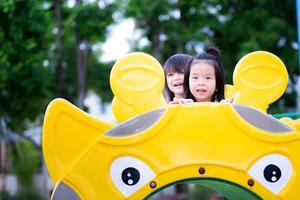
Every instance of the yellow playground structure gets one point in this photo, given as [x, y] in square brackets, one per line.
[237, 149]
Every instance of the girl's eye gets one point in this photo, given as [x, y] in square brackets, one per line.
[170, 74]
[194, 77]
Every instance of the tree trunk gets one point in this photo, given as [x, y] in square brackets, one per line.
[81, 64]
[58, 68]
[3, 164]
[158, 46]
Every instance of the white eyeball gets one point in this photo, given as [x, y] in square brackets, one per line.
[129, 174]
[272, 171]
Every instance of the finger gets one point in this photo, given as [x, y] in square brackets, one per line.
[173, 102]
[189, 101]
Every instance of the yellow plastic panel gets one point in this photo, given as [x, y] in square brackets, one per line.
[260, 78]
[230, 91]
[137, 81]
[67, 133]
[126, 110]
[181, 143]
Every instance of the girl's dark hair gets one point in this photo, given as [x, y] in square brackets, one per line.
[213, 55]
[176, 63]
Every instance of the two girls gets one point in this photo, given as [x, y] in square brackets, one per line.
[202, 77]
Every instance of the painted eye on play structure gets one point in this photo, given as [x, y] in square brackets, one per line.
[272, 171]
[129, 174]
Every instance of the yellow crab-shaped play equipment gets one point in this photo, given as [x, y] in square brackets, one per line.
[236, 149]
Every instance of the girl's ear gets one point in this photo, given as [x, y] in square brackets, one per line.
[68, 133]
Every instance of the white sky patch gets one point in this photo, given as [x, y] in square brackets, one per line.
[117, 44]
[97, 108]
[294, 45]
[143, 42]
[175, 13]
[70, 3]
[46, 63]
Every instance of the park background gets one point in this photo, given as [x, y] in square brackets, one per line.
[58, 48]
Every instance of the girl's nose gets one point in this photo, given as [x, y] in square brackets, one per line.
[176, 77]
[201, 83]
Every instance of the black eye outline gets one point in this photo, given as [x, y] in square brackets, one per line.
[129, 174]
[273, 171]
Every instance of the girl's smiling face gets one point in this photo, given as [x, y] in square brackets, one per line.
[202, 81]
[175, 83]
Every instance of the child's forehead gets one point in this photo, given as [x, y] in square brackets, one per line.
[203, 61]
[203, 67]
[172, 69]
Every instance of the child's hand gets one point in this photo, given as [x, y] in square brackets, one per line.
[231, 100]
[181, 101]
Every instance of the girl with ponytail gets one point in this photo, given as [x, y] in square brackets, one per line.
[204, 77]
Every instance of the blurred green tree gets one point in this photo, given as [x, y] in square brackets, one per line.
[261, 25]
[42, 42]
[24, 76]
[80, 30]
[25, 161]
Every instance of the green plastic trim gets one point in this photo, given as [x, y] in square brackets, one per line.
[290, 115]
[230, 190]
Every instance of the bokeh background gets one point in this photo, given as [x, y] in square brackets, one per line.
[66, 48]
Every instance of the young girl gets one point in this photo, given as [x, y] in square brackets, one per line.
[174, 73]
[204, 78]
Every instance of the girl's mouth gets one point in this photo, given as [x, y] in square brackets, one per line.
[201, 90]
[178, 84]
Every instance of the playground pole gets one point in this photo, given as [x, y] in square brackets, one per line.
[298, 30]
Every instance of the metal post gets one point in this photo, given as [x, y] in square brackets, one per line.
[298, 30]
